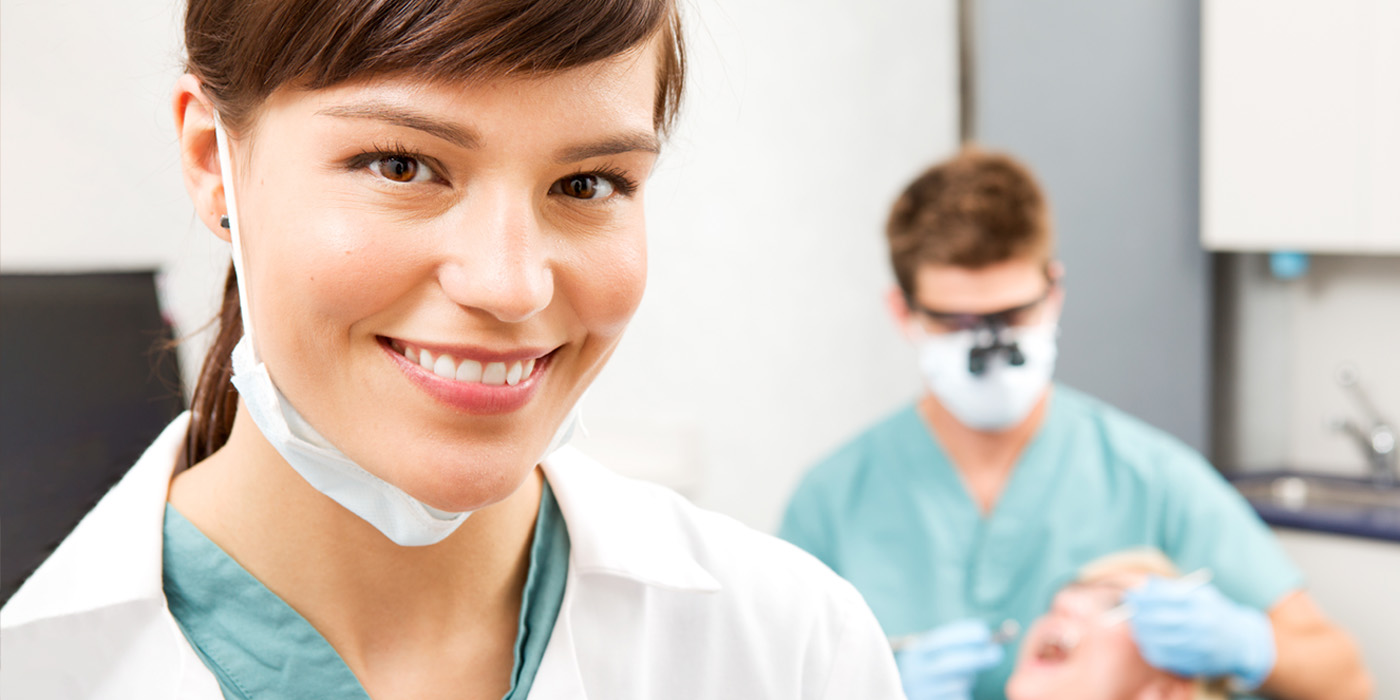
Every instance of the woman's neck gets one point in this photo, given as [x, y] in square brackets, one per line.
[385, 608]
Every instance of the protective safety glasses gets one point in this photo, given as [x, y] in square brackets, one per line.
[990, 330]
[953, 321]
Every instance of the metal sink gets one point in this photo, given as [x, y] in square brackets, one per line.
[1325, 503]
[1311, 492]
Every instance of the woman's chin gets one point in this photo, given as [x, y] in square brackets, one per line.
[456, 489]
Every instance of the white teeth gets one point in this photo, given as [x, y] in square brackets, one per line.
[469, 371]
[494, 374]
[445, 367]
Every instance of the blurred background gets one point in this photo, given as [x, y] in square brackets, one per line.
[1224, 176]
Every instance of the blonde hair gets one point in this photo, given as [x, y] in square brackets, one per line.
[1138, 560]
[1150, 560]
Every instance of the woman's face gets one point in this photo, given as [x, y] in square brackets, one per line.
[1073, 653]
[437, 271]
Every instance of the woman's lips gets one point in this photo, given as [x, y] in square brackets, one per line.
[488, 383]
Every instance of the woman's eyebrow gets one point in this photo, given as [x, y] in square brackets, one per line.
[622, 143]
[402, 116]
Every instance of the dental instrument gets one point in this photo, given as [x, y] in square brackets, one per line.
[1123, 611]
[1004, 634]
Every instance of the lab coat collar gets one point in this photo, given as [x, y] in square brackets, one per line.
[617, 526]
[107, 559]
[623, 527]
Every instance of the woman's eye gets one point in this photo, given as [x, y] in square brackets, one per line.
[401, 169]
[583, 187]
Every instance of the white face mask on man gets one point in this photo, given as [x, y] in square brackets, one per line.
[1002, 394]
[400, 517]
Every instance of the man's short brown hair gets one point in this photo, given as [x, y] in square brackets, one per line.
[973, 210]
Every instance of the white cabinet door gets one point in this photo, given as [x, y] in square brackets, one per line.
[1354, 581]
[1300, 129]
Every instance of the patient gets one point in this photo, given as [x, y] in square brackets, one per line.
[1082, 648]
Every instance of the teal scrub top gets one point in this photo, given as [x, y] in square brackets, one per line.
[259, 647]
[889, 512]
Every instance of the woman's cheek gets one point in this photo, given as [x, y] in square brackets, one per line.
[610, 284]
[351, 271]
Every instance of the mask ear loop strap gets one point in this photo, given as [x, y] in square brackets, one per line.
[226, 173]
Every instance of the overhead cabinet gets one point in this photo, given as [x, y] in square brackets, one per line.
[1301, 125]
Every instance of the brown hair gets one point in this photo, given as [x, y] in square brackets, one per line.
[973, 210]
[243, 50]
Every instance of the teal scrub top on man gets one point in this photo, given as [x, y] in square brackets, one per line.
[889, 512]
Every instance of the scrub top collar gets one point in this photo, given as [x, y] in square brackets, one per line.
[260, 647]
[1030, 476]
[993, 567]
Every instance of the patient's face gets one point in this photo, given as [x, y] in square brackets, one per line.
[1070, 653]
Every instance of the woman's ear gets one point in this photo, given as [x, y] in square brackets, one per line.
[199, 153]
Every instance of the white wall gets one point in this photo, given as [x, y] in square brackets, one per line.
[762, 341]
[1285, 347]
[89, 171]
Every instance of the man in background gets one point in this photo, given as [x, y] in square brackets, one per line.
[969, 508]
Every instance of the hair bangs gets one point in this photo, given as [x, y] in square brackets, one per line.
[247, 50]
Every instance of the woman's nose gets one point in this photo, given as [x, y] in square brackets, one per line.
[497, 259]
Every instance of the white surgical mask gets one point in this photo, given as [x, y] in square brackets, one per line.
[1004, 394]
[400, 517]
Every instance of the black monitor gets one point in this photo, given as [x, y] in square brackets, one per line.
[87, 381]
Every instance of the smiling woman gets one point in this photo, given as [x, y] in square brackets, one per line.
[436, 219]
[467, 243]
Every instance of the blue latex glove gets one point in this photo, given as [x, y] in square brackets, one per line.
[943, 663]
[1193, 630]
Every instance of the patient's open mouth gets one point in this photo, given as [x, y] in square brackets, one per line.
[1056, 646]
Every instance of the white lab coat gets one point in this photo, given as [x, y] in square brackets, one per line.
[663, 601]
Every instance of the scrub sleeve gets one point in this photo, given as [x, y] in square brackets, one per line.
[257, 646]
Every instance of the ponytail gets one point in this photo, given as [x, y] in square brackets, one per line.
[215, 401]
